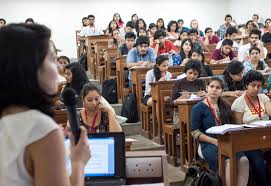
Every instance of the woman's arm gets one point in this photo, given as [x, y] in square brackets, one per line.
[207, 139]
[114, 125]
[238, 117]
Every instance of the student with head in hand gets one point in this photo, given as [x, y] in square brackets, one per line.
[253, 106]
[112, 26]
[38, 156]
[129, 43]
[214, 111]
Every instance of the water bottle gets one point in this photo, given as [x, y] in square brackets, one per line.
[170, 60]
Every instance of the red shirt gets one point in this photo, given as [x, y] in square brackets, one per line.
[212, 40]
[168, 46]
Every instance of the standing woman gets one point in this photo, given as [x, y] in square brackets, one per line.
[118, 19]
[160, 24]
[214, 111]
[254, 106]
[32, 145]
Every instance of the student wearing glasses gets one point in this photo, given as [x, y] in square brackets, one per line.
[209, 38]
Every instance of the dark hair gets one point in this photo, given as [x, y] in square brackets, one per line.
[180, 20]
[224, 107]
[227, 42]
[193, 31]
[159, 60]
[89, 87]
[163, 26]
[182, 54]
[152, 25]
[83, 20]
[79, 76]
[130, 24]
[130, 35]
[133, 16]
[234, 67]
[256, 15]
[170, 24]
[198, 51]
[207, 29]
[253, 75]
[120, 18]
[159, 33]
[137, 23]
[141, 29]
[31, 20]
[268, 19]
[192, 64]
[65, 58]
[256, 32]
[249, 21]
[2, 19]
[89, 16]
[109, 26]
[142, 40]
[231, 30]
[19, 73]
[227, 16]
[254, 48]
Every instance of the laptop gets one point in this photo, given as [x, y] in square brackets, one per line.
[107, 163]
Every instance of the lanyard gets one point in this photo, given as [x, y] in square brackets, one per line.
[257, 111]
[213, 113]
[92, 128]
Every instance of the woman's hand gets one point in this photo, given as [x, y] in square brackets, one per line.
[103, 108]
[162, 78]
[236, 93]
[185, 95]
[80, 152]
[201, 94]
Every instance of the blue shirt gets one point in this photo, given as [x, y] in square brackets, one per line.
[135, 56]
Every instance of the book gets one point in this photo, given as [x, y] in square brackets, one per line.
[222, 129]
[262, 123]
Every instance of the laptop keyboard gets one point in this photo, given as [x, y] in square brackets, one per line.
[104, 182]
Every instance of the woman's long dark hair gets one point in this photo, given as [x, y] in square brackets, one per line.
[159, 60]
[109, 26]
[23, 50]
[182, 54]
[224, 107]
[234, 67]
[203, 71]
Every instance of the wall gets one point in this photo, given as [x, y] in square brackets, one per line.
[64, 17]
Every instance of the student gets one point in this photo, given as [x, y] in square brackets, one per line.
[89, 30]
[172, 29]
[181, 27]
[151, 31]
[195, 25]
[134, 18]
[159, 73]
[140, 24]
[129, 27]
[222, 29]
[85, 21]
[247, 28]
[62, 61]
[253, 106]
[199, 56]
[197, 43]
[129, 43]
[113, 25]
[266, 38]
[209, 38]
[97, 116]
[232, 78]
[224, 54]
[214, 111]
[25, 118]
[162, 45]
[117, 18]
[160, 24]
[141, 32]
[29, 21]
[266, 25]
[183, 35]
[116, 41]
[2, 22]
[186, 47]
[254, 40]
[255, 63]
[231, 33]
[255, 19]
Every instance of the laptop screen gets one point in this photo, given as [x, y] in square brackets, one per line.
[102, 162]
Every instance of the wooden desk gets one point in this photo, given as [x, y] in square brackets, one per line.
[218, 68]
[110, 67]
[99, 47]
[121, 66]
[237, 141]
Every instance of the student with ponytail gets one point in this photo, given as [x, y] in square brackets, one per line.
[159, 73]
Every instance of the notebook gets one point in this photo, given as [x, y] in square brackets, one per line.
[107, 163]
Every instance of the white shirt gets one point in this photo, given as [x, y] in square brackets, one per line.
[16, 132]
[89, 31]
[219, 44]
[243, 52]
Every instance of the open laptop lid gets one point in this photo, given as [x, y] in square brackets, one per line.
[107, 156]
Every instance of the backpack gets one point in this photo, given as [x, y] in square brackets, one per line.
[196, 176]
[129, 108]
[83, 61]
[109, 91]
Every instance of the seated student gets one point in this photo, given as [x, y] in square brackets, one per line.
[199, 56]
[223, 28]
[209, 38]
[159, 73]
[183, 35]
[129, 43]
[151, 31]
[29, 21]
[231, 33]
[134, 18]
[89, 30]
[214, 111]
[255, 63]
[267, 22]
[195, 25]
[97, 116]
[224, 54]
[160, 23]
[162, 45]
[247, 28]
[255, 19]
[181, 28]
[141, 32]
[113, 25]
[232, 78]
[172, 29]
[117, 18]
[116, 41]
[85, 21]
[62, 61]
[266, 38]
[254, 40]
[140, 24]
[186, 47]
[197, 43]
[129, 27]
[2, 22]
[254, 106]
